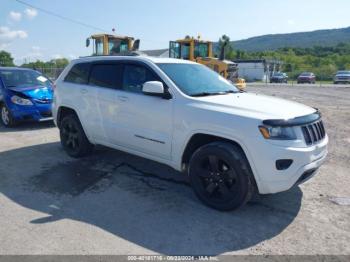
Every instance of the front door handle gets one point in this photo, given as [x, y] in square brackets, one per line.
[83, 91]
[123, 98]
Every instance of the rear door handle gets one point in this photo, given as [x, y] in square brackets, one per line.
[123, 98]
[83, 91]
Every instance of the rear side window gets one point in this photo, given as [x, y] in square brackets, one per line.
[135, 76]
[78, 74]
[106, 75]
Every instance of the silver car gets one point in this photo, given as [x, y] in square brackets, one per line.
[342, 77]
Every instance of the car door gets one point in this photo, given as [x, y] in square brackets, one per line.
[143, 123]
[106, 77]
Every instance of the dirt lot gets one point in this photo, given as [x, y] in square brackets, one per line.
[115, 203]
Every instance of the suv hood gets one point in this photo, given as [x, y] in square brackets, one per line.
[35, 92]
[256, 105]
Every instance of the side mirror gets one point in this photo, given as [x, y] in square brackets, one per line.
[155, 88]
[87, 42]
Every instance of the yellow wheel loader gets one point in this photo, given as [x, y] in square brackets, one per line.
[202, 52]
[106, 44]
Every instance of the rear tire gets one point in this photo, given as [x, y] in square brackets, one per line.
[73, 138]
[221, 176]
[6, 117]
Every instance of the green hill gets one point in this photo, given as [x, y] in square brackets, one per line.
[330, 37]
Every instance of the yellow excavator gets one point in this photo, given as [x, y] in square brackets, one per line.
[202, 52]
[106, 44]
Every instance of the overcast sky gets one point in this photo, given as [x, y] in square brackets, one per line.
[32, 34]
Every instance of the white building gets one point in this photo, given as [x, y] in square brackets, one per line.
[257, 69]
[157, 52]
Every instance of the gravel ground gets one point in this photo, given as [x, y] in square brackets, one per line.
[115, 203]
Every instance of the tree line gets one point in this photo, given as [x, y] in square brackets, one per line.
[6, 59]
[323, 61]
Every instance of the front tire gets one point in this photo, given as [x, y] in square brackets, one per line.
[6, 117]
[220, 176]
[73, 138]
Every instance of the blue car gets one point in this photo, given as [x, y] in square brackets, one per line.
[25, 94]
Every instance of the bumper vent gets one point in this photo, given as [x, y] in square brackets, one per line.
[46, 114]
[314, 132]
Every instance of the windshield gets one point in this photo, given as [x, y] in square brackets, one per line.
[343, 73]
[14, 78]
[278, 74]
[195, 79]
[306, 74]
[201, 50]
[117, 46]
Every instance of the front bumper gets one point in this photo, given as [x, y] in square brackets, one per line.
[306, 161]
[278, 80]
[305, 80]
[36, 112]
[342, 80]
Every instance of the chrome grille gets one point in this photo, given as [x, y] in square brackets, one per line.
[314, 132]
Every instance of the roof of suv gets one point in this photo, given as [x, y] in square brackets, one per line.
[134, 58]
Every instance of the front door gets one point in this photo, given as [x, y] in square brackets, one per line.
[144, 123]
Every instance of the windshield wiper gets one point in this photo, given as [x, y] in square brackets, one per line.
[214, 93]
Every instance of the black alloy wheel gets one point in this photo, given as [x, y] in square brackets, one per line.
[220, 176]
[73, 138]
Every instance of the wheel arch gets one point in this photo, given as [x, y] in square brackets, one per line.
[64, 111]
[199, 139]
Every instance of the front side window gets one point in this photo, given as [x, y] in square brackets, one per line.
[197, 80]
[174, 50]
[135, 76]
[106, 75]
[78, 74]
[185, 51]
[98, 47]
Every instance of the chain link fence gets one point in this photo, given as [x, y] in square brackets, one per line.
[50, 72]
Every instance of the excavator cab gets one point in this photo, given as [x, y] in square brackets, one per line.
[105, 44]
[202, 52]
[190, 49]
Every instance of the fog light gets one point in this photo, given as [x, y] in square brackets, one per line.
[283, 164]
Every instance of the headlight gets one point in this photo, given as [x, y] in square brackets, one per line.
[277, 133]
[21, 101]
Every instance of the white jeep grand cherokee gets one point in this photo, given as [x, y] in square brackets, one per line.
[187, 116]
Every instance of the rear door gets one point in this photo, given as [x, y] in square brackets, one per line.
[106, 77]
[79, 95]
